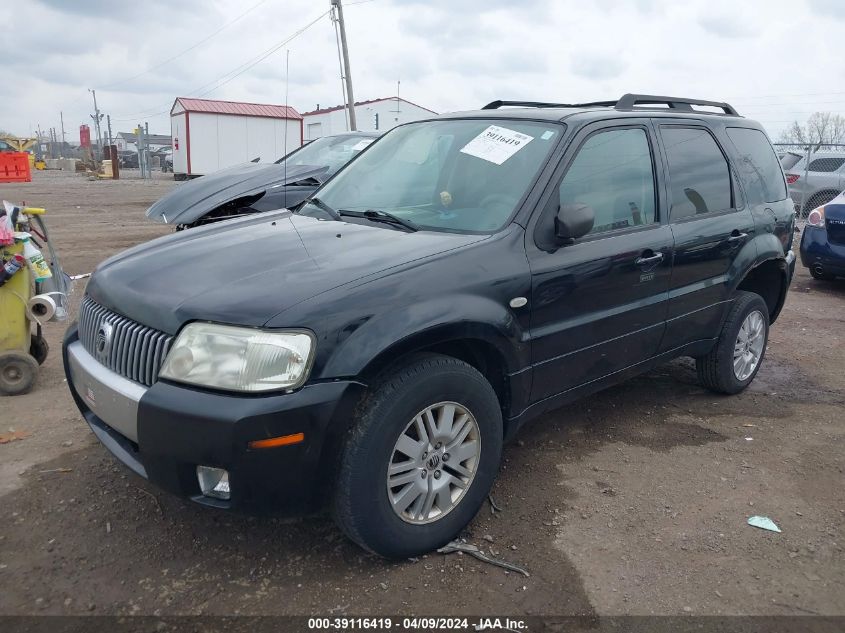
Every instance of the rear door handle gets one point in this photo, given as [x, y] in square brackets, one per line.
[737, 236]
[651, 259]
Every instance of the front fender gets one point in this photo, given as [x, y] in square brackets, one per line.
[416, 326]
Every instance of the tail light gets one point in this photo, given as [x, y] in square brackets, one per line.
[791, 179]
[816, 217]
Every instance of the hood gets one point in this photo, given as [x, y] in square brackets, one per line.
[246, 271]
[191, 200]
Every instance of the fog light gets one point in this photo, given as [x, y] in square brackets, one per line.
[214, 482]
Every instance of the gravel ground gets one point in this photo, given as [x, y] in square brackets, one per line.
[633, 501]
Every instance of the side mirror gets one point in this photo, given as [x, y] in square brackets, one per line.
[573, 221]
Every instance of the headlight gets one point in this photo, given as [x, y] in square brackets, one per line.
[239, 358]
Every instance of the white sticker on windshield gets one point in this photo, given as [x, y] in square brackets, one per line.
[496, 144]
[362, 144]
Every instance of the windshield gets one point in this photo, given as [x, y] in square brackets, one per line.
[330, 151]
[463, 175]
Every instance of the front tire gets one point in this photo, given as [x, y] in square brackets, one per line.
[396, 495]
[738, 353]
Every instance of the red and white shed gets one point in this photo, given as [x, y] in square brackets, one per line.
[210, 135]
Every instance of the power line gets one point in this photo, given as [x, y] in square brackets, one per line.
[187, 50]
[232, 74]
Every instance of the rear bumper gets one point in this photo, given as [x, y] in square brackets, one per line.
[163, 432]
[817, 251]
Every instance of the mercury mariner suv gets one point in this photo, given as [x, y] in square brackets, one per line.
[370, 350]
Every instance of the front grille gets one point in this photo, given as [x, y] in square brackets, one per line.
[132, 350]
[836, 230]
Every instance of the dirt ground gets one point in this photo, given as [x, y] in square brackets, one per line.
[633, 501]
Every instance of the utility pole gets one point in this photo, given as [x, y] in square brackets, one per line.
[108, 121]
[350, 100]
[97, 117]
[62, 119]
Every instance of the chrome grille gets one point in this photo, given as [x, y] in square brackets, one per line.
[136, 351]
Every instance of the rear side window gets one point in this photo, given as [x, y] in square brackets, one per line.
[759, 167]
[613, 174]
[826, 164]
[789, 160]
[699, 178]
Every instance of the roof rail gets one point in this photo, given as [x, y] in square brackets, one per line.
[495, 105]
[627, 102]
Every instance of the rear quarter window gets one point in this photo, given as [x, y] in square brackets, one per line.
[758, 166]
[826, 164]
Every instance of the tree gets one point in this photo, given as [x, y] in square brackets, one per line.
[822, 128]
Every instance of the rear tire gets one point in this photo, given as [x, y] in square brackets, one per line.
[368, 498]
[738, 353]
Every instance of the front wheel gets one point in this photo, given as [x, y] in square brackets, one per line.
[736, 358]
[420, 459]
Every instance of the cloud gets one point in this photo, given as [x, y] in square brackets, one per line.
[835, 8]
[597, 65]
[449, 54]
[726, 26]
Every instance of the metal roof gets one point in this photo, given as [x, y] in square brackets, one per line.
[237, 108]
[363, 103]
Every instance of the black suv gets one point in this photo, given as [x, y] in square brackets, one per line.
[371, 349]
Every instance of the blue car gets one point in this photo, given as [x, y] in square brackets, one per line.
[823, 242]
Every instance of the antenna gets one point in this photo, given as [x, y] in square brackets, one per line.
[287, 83]
[397, 110]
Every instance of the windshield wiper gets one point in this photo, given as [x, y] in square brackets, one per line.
[381, 216]
[324, 207]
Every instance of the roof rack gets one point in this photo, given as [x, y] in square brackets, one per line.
[495, 105]
[626, 102]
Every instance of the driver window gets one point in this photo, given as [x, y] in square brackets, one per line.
[613, 174]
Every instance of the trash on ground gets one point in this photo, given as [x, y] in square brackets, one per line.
[472, 550]
[14, 436]
[493, 507]
[764, 523]
[55, 470]
[82, 276]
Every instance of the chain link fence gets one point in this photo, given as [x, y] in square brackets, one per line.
[815, 174]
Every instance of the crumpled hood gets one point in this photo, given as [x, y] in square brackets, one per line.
[191, 200]
[247, 270]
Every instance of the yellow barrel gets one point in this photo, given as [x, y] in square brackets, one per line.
[14, 295]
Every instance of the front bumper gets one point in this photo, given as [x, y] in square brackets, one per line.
[165, 431]
[817, 251]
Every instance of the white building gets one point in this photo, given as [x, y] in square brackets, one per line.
[128, 141]
[374, 115]
[210, 135]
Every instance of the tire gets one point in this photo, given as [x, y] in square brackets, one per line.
[362, 505]
[717, 369]
[18, 372]
[817, 200]
[820, 276]
[38, 348]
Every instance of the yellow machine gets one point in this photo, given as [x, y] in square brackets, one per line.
[21, 351]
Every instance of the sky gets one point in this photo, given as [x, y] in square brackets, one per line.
[772, 59]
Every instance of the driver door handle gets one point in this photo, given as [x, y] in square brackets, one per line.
[737, 236]
[652, 259]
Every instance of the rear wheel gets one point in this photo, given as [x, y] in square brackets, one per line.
[420, 459]
[736, 358]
